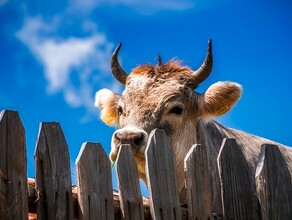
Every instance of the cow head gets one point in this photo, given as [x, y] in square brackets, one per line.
[162, 96]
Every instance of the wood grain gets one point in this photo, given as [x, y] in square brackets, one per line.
[198, 183]
[53, 175]
[129, 188]
[273, 183]
[13, 170]
[161, 177]
[238, 199]
[94, 183]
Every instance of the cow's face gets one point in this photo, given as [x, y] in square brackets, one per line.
[162, 97]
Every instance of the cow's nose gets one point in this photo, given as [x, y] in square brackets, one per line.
[135, 139]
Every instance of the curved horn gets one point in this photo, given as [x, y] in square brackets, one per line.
[117, 70]
[205, 69]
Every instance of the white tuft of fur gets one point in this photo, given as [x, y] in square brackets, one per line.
[103, 97]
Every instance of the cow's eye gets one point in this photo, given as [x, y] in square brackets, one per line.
[120, 110]
[176, 110]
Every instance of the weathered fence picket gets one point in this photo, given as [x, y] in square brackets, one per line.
[129, 188]
[161, 177]
[238, 196]
[53, 175]
[13, 176]
[51, 192]
[274, 186]
[198, 183]
[94, 183]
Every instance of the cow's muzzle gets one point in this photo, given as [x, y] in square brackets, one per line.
[136, 137]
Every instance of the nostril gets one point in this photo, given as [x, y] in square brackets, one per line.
[119, 136]
[139, 140]
[134, 138]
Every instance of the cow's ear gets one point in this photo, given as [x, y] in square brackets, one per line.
[219, 98]
[107, 101]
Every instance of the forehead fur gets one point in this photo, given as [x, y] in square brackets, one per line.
[151, 93]
[171, 69]
[153, 84]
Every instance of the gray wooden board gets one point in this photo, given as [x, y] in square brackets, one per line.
[198, 183]
[94, 183]
[273, 181]
[13, 167]
[129, 188]
[238, 199]
[53, 175]
[161, 177]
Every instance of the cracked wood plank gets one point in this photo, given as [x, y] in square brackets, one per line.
[53, 175]
[13, 167]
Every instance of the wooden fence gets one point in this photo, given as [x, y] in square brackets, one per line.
[52, 196]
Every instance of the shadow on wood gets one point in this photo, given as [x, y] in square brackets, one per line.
[53, 174]
[273, 181]
[238, 194]
[13, 174]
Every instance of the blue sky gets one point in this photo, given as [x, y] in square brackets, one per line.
[55, 55]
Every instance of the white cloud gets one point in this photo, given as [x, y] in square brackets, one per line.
[3, 2]
[68, 63]
[60, 57]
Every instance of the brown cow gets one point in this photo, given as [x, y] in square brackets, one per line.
[163, 97]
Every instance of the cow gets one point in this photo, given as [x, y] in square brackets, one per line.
[163, 96]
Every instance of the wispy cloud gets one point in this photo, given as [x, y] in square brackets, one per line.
[3, 2]
[69, 62]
